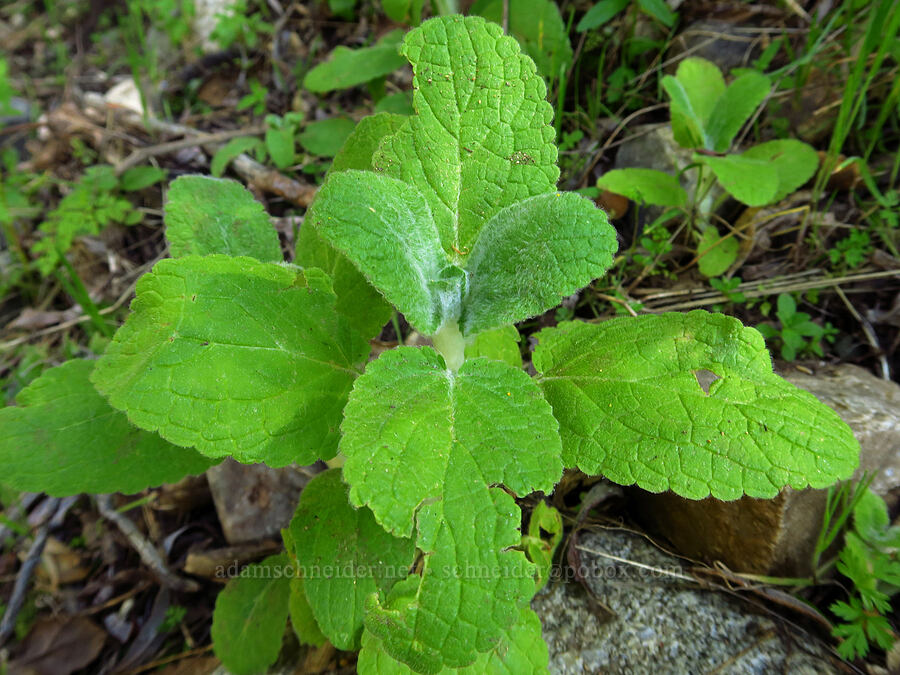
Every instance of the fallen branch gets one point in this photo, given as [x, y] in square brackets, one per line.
[147, 552]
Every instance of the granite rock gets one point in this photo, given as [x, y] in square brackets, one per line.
[661, 623]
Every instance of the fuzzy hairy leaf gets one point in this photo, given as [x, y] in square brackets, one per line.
[417, 414]
[481, 139]
[250, 615]
[561, 234]
[385, 227]
[631, 405]
[455, 180]
[235, 357]
[211, 215]
[63, 438]
[331, 538]
[455, 434]
[363, 142]
[521, 651]
[366, 309]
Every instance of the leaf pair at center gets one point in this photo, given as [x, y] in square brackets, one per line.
[459, 220]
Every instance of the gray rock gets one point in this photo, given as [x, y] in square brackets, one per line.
[661, 623]
[254, 501]
[721, 42]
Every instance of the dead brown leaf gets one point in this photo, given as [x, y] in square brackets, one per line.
[58, 646]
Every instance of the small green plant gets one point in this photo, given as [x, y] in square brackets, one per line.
[96, 201]
[278, 145]
[706, 117]
[869, 559]
[241, 24]
[412, 551]
[851, 251]
[798, 334]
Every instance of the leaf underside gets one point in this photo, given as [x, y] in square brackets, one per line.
[63, 438]
[235, 357]
[629, 397]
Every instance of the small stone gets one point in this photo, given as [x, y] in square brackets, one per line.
[254, 501]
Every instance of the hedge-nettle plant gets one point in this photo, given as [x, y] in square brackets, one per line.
[412, 550]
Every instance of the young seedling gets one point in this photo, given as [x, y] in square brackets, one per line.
[412, 551]
[706, 117]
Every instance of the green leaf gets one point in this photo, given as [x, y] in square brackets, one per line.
[366, 309]
[521, 651]
[384, 226]
[693, 92]
[344, 556]
[660, 11]
[399, 103]
[455, 434]
[538, 27]
[302, 619]
[404, 11]
[631, 407]
[455, 180]
[716, 254]
[870, 516]
[229, 151]
[325, 138]
[795, 163]
[645, 186]
[530, 255]
[140, 177]
[482, 138]
[361, 145]
[250, 615]
[419, 414]
[63, 438]
[539, 550]
[751, 181]
[280, 146]
[235, 357]
[473, 582]
[734, 107]
[500, 344]
[600, 14]
[349, 67]
[208, 215]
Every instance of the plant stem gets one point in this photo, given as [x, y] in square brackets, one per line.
[451, 344]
